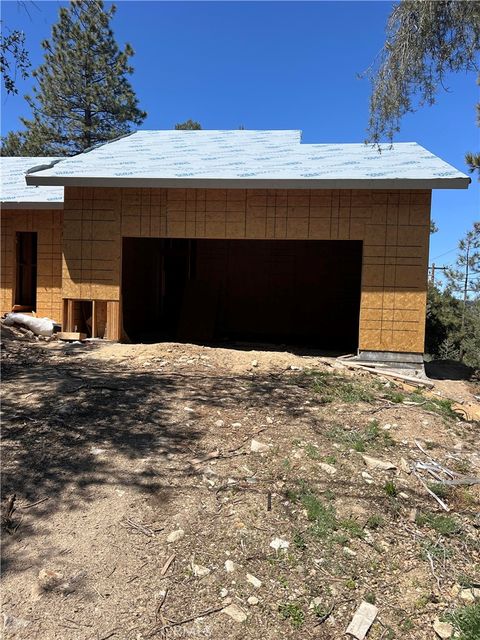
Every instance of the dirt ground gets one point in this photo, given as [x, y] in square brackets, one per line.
[110, 449]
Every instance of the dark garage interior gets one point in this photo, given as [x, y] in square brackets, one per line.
[292, 292]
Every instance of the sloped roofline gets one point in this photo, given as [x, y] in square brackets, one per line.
[89, 173]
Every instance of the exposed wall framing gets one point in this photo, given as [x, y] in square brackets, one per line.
[48, 226]
[393, 225]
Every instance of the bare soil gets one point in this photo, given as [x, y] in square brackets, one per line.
[110, 448]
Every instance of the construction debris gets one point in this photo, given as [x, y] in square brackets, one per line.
[416, 382]
[38, 326]
[362, 620]
[71, 336]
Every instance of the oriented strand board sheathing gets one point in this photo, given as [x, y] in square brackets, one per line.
[393, 225]
[48, 225]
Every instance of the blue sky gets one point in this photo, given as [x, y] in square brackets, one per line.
[272, 65]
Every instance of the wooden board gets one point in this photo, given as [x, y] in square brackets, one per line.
[71, 335]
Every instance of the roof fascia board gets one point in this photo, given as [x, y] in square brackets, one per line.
[255, 183]
[7, 205]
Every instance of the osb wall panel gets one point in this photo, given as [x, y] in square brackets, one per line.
[393, 225]
[48, 225]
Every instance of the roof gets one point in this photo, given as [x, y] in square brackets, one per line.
[14, 192]
[249, 159]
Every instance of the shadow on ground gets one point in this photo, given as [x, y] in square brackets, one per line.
[448, 370]
[65, 425]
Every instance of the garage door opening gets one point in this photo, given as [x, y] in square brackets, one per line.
[294, 292]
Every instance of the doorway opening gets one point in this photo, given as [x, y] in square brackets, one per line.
[26, 270]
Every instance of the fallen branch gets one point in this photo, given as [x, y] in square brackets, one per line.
[138, 527]
[434, 495]
[167, 564]
[171, 624]
[430, 559]
[34, 504]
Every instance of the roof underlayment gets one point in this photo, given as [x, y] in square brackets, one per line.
[16, 194]
[250, 159]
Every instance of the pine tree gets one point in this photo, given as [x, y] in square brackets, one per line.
[426, 40]
[188, 125]
[463, 279]
[83, 96]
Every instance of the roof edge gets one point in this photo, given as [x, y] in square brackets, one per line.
[9, 204]
[252, 183]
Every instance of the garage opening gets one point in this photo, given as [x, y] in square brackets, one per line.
[295, 292]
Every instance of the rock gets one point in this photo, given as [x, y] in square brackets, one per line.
[269, 420]
[367, 477]
[49, 579]
[253, 600]
[279, 543]
[254, 363]
[223, 593]
[467, 596]
[189, 409]
[443, 630]
[254, 581]
[349, 552]
[403, 495]
[404, 466]
[96, 451]
[175, 536]
[259, 447]
[219, 423]
[230, 566]
[316, 602]
[235, 612]
[375, 463]
[199, 571]
[11, 624]
[294, 367]
[327, 468]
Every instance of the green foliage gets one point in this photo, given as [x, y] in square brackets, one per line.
[439, 489]
[462, 279]
[425, 41]
[375, 522]
[390, 488]
[466, 621]
[333, 387]
[188, 125]
[82, 97]
[312, 452]
[444, 525]
[14, 57]
[299, 541]
[293, 612]
[325, 524]
[453, 314]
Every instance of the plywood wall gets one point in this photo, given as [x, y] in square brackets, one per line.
[48, 225]
[393, 225]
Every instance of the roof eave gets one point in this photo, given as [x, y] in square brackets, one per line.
[252, 183]
[8, 204]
